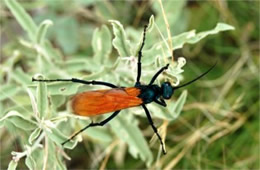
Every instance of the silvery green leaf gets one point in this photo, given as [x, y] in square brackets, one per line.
[79, 63]
[175, 108]
[8, 90]
[35, 158]
[42, 30]
[97, 133]
[175, 70]
[150, 24]
[34, 135]
[53, 53]
[172, 17]
[219, 27]
[57, 101]
[178, 41]
[159, 111]
[56, 136]
[101, 44]
[33, 103]
[20, 77]
[54, 161]
[148, 29]
[12, 165]
[42, 99]
[30, 162]
[120, 42]
[68, 42]
[131, 134]
[64, 88]
[24, 19]
[18, 120]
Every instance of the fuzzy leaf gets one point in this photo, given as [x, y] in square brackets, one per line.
[23, 18]
[34, 135]
[42, 99]
[131, 134]
[192, 37]
[54, 158]
[63, 88]
[20, 77]
[148, 29]
[56, 136]
[98, 133]
[176, 108]
[12, 165]
[120, 42]
[8, 90]
[42, 30]
[18, 120]
[101, 44]
[81, 64]
[189, 37]
[68, 41]
[151, 24]
[169, 7]
[30, 162]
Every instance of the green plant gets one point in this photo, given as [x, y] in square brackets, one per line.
[39, 111]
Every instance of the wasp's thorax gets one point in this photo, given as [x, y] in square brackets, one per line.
[153, 92]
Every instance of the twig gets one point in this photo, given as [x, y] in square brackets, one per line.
[167, 28]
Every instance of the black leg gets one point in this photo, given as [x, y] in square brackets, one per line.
[160, 102]
[154, 128]
[139, 64]
[158, 73]
[93, 82]
[92, 124]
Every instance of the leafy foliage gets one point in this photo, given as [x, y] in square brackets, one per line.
[91, 40]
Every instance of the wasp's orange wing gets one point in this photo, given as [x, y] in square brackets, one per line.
[97, 102]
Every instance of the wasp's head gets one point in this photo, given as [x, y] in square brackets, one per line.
[167, 90]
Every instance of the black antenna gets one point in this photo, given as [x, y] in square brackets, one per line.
[186, 84]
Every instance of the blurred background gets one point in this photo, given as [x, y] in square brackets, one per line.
[218, 127]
